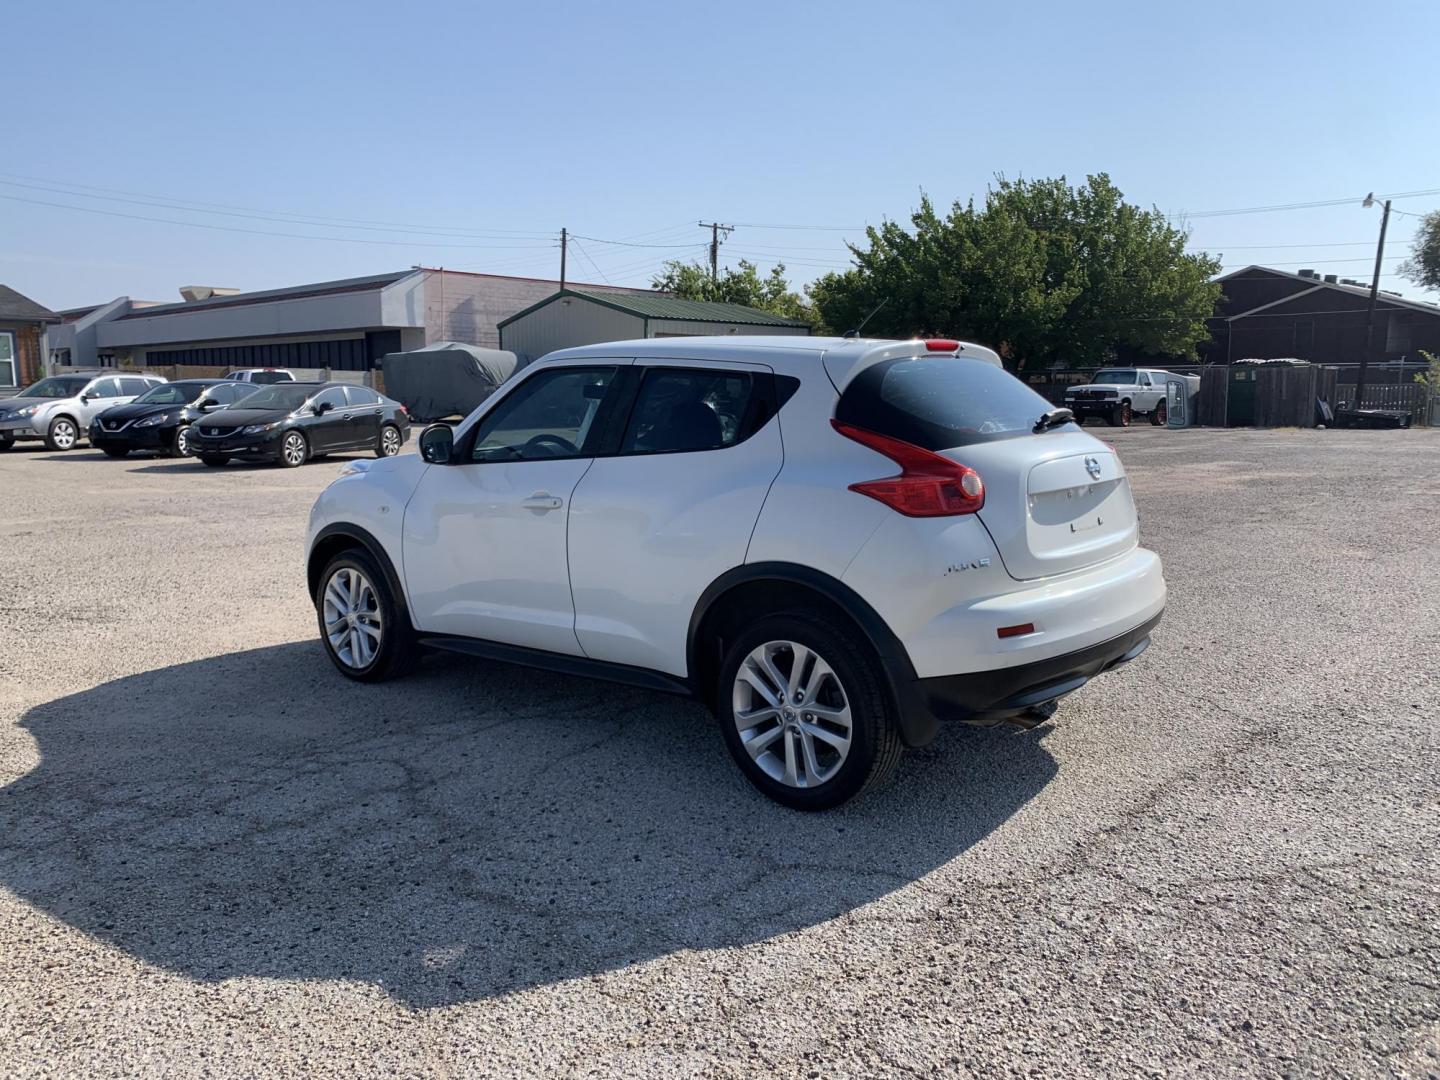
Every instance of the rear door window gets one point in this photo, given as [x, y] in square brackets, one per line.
[940, 402]
[359, 395]
[685, 410]
[105, 388]
[132, 387]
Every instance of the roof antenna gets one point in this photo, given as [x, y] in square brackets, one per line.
[856, 332]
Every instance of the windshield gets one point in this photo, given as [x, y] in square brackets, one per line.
[59, 387]
[175, 393]
[1117, 377]
[940, 403]
[287, 396]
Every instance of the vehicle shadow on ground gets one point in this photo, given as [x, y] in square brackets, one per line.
[193, 464]
[469, 831]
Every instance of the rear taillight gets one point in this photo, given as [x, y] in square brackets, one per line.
[928, 485]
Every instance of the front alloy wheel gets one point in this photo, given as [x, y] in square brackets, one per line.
[363, 624]
[292, 450]
[354, 626]
[792, 714]
[63, 435]
[181, 446]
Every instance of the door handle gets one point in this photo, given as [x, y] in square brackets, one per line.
[543, 500]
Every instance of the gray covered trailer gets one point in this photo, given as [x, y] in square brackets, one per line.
[448, 378]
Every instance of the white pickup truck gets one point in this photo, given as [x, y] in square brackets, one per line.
[1117, 393]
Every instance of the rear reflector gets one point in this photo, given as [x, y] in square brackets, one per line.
[940, 344]
[1016, 631]
[928, 485]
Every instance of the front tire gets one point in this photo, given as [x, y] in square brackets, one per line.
[293, 450]
[62, 434]
[1121, 415]
[363, 624]
[804, 711]
[6, 442]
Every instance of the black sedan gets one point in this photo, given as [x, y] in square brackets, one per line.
[161, 419]
[289, 423]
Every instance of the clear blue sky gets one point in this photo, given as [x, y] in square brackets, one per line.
[636, 120]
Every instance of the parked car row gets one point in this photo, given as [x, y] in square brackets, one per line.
[266, 418]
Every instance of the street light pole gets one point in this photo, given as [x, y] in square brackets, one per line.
[1370, 310]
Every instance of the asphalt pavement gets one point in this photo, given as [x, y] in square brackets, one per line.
[218, 857]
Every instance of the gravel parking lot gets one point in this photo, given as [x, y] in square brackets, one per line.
[219, 857]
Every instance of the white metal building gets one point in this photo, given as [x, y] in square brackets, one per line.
[587, 317]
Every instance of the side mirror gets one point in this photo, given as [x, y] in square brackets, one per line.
[209, 403]
[85, 398]
[322, 408]
[437, 444]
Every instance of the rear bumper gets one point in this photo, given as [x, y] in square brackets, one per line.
[987, 697]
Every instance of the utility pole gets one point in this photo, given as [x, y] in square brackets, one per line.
[564, 243]
[715, 227]
[1370, 311]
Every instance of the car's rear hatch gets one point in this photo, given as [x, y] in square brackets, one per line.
[1054, 501]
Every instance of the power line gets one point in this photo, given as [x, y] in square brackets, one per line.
[1301, 205]
[592, 262]
[288, 217]
[268, 232]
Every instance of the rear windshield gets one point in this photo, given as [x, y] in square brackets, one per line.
[940, 402]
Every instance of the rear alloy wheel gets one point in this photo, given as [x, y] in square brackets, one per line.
[804, 712]
[293, 449]
[214, 460]
[63, 434]
[180, 445]
[389, 444]
[362, 624]
[1158, 415]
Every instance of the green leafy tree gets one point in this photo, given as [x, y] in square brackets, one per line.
[1423, 266]
[1046, 273]
[772, 293]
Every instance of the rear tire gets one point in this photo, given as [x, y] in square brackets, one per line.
[114, 451]
[389, 442]
[786, 751]
[1158, 415]
[62, 434]
[214, 460]
[378, 643]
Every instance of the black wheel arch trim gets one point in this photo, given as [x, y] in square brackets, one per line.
[917, 726]
[364, 540]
